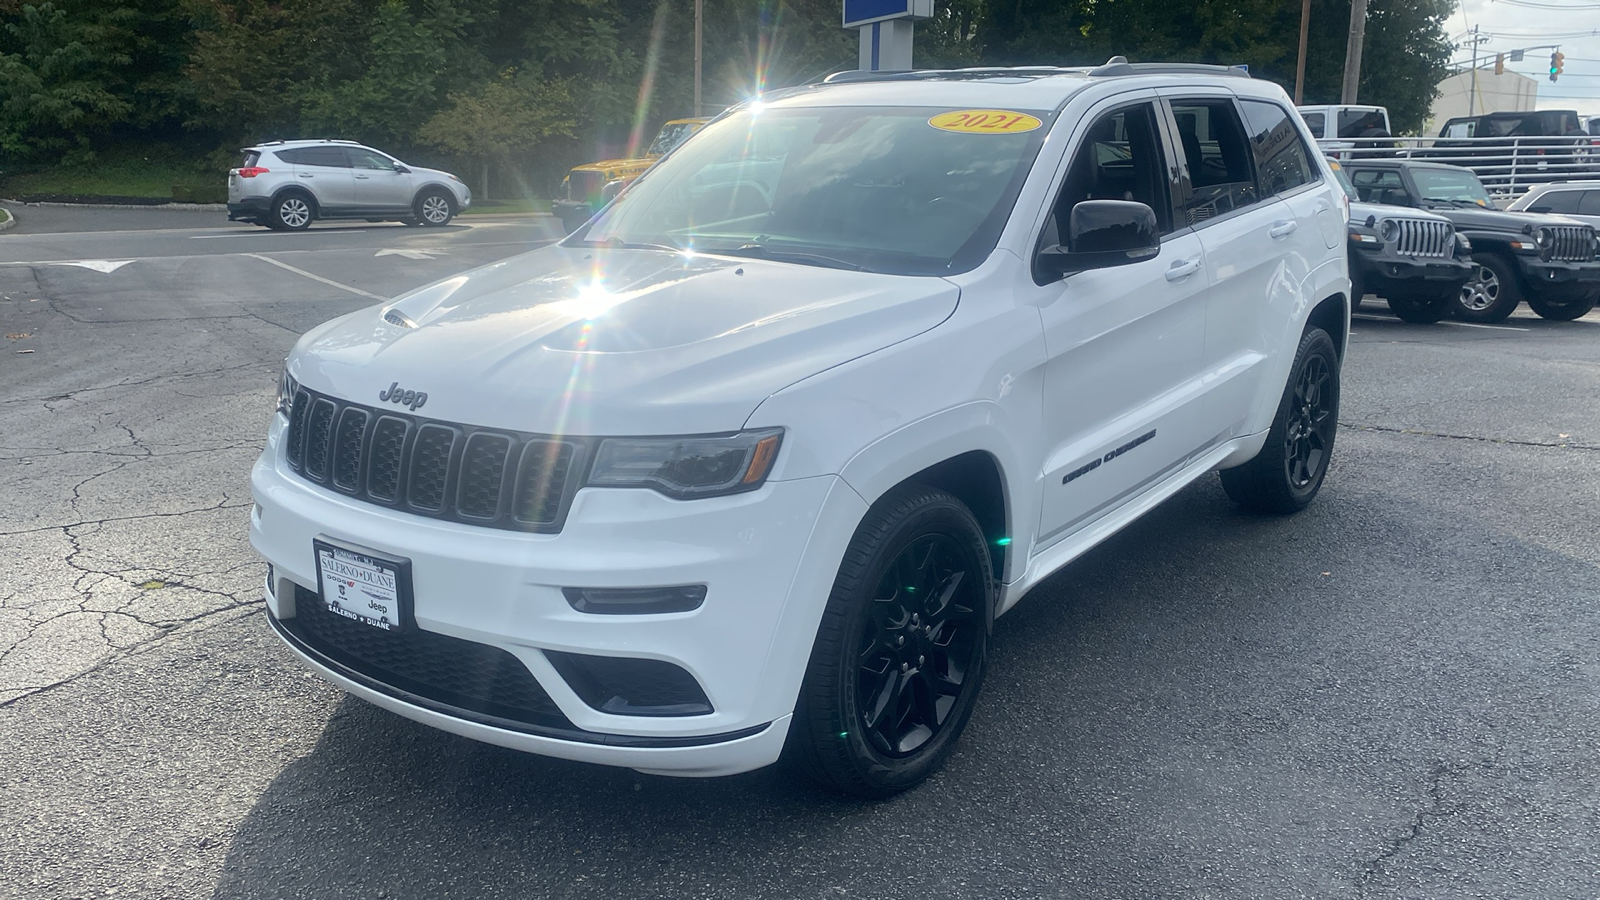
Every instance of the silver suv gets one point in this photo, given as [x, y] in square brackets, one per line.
[288, 184]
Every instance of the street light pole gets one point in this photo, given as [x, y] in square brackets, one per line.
[699, 13]
[1300, 67]
[1352, 52]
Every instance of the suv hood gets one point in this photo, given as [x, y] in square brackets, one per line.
[1498, 219]
[592, 342]
[1361, 211]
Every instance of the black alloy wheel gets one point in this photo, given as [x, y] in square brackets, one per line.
[1288, 472]
[922, 639]
[901, 649]
[1308, 437]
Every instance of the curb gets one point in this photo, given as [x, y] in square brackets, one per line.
[10, 219]
[203, 207]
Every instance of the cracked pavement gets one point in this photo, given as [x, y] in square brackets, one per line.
[1395, 694]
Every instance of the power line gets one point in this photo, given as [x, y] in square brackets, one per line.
[1532, 4]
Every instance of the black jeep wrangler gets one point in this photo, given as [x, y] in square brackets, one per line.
[1547, 260]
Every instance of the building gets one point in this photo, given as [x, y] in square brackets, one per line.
[1506, 92]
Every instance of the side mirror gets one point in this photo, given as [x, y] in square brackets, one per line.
[402, 169]
[1102, 234]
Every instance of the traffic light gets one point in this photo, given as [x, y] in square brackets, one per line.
[1557, 61]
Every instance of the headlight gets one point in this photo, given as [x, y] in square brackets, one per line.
[1389, 231]
[287, 388]
[688, 467]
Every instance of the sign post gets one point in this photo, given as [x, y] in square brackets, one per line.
[885, 27]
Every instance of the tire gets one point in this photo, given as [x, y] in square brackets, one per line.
[1421, 309]
[1491, 294]
[1288, 472]
[435, 208]
[877, 728]
[292, 211]
[1561, 310]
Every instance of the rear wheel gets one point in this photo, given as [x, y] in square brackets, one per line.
[1490, 294]
[1287, 474]
[901, 649]
[291, 212]
[1561, 310]
[435, 208]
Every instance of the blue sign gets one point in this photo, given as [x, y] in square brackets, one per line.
[865, 12]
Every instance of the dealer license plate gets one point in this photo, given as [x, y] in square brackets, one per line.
[366, 587]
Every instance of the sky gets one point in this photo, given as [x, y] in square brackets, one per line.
[1508, 25]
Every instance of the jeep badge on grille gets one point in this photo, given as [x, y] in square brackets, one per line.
[412, 399]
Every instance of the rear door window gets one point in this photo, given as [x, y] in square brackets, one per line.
[1564, 202]
[1282, 161]
[331, 157]
[1218, 157]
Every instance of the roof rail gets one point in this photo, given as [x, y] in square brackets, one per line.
[1116, 66]
[857, 75]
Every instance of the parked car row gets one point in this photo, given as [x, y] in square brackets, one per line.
[1496, 258]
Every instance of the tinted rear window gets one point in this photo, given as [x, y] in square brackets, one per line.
[316, 156]
[1354, 124]
[1556, 202]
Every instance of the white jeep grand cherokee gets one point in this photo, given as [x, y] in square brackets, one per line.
[750, 464]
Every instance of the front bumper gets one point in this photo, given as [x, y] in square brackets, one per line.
[767, 558]
[1400, 272]
[1564, 277]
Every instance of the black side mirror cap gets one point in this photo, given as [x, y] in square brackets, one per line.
[1102, 234]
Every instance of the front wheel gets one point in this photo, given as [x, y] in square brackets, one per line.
[901, 650]
[435, 208]
[1490, 294]
[1561, 310]
[1288, 472]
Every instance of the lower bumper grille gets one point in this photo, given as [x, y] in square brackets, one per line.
[447, 670]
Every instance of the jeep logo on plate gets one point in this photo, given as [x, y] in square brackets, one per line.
[412, 399]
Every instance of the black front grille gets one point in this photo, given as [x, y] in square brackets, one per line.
[1572, 243]
[455, 672]
[520, 482]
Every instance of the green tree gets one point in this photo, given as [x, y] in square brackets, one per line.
[505, 118]
[72, 72]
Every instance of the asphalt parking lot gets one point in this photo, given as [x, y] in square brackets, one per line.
[1394, 694]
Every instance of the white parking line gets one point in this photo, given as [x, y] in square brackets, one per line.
[212, 237]
[326, 281]
[1476, 325]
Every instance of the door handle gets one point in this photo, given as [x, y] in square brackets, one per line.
[304, 174]
[362, 177]
[1282, 229]
[1182, 269]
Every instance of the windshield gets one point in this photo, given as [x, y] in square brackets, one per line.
[1444, 186]
[873, 188]
[672, 134]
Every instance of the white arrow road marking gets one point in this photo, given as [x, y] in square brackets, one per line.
[106, 266]
[408, 254]
[313, 277]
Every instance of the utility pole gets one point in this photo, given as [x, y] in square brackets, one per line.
[1352, 52]
[1472, 98]
[699, 14]
[1300, 67]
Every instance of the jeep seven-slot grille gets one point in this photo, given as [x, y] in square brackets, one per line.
[463, 473]
[1572, 243]
[1422, 238]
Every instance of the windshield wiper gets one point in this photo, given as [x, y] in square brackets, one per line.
[760, 251]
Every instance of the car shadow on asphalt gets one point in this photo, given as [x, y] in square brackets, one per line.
[1201, 675]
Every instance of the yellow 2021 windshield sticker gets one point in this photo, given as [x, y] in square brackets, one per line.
[985, 121]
